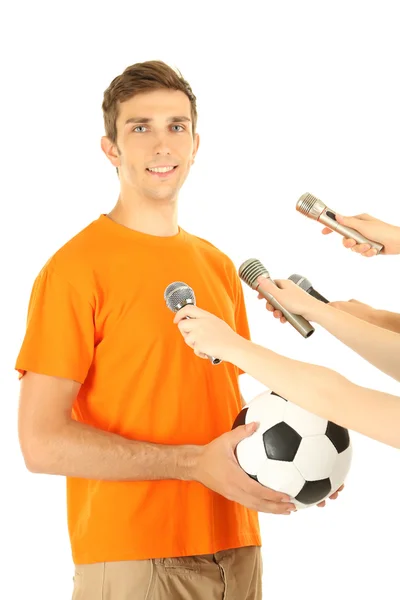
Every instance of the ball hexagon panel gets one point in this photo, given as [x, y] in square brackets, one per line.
[341, 468]
[281, 476]
[267, 410]
[250, 453]
[315, 457]
[304, 422]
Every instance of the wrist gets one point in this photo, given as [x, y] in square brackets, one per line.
[237, 350]
[187, 462]
[320, 311]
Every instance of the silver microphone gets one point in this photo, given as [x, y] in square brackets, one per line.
[314, 208]
[177, 295]
[305, 284]
[253, 272]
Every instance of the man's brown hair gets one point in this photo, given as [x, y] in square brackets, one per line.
[138, 78]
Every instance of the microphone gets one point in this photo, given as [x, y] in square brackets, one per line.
[177, 295]
[313, 208]
[305, 284]
[253, 272]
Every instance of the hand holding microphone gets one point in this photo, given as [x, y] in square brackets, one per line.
[177, 295]
[353, 307]
[358, 231]
[256, 276]
[369, 227]
[304, 284]
[291, 296]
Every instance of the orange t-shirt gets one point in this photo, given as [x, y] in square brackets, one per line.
[97, 315]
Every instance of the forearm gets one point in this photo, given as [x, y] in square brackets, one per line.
[386, 319]
[322, 391]
[79, 450]
[378, 346]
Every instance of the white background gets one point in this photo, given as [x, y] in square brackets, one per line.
[292, 97]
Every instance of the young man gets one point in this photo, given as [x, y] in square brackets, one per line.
[317, 389]
[157, 504]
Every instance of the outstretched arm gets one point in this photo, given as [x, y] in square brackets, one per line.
[315, 388]
[381, 318]
[380, 347]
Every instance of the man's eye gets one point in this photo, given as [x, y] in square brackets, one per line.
[139, 127]
[181, 127]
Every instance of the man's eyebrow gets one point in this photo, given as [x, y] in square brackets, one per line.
[177, 119]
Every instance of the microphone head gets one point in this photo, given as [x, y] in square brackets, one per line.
[178, 294]
[302, 282]
[310, 206]
[251, 270]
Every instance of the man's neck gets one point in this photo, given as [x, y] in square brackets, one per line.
[147, 216]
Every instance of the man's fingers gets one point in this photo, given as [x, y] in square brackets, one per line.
[266, 506]
[249, 486]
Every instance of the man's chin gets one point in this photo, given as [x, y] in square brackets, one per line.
[169, 195]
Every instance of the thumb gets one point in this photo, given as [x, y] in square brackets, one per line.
[243, 431]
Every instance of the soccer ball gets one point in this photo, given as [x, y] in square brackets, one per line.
[293, 451]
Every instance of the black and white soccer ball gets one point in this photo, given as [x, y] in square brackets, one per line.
[293, 451]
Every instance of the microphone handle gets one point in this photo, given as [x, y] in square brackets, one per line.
[328, 218]
[213, 359]
[297, 321]
[316, 295]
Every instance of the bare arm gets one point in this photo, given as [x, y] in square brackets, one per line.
[380, 318]
[387, 320]
[380, 347]
[317, 389]
[53, 443]
[321, 391]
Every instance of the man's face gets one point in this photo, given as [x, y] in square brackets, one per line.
[155, 143]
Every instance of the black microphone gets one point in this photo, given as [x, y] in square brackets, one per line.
[305, 285]
[177, 295]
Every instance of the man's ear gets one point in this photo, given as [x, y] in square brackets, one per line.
[195, 146]
[110, 149]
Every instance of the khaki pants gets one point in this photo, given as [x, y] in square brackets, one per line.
[227, 575]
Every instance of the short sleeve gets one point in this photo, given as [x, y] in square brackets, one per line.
[59, 337]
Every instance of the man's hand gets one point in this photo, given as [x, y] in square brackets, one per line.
[217, 468]
[205, 333]
[373, 229]
[332, 497]
[292, 297]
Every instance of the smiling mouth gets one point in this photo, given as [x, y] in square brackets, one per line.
[167, 169]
